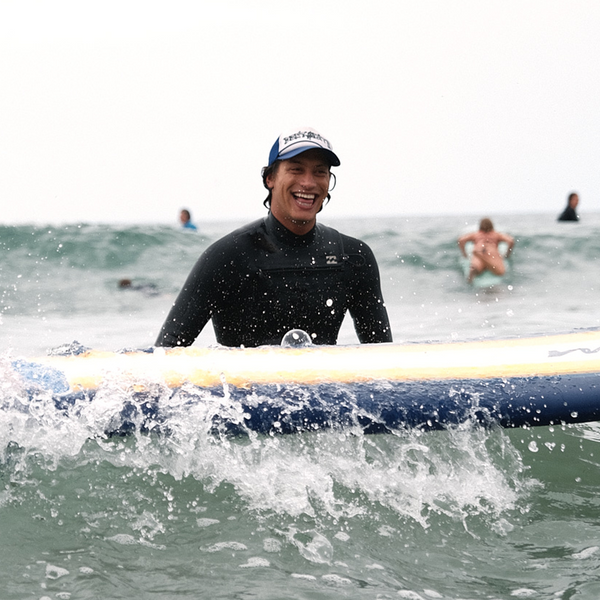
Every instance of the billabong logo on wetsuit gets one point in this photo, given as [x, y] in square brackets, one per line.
[331, 259]
[305, 135]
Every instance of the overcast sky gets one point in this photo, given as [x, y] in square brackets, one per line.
[127, 111]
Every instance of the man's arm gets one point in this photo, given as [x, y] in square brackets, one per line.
[191, 310]
[510, 241]
[469, 237]
[367, 307]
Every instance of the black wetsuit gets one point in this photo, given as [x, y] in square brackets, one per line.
[260, 281]
[568, 214]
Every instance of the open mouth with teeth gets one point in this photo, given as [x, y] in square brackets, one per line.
[304, 200]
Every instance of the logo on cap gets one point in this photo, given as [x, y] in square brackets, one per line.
[289, 145]
[308, 135]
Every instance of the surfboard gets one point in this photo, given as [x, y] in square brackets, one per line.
[485, 279]
[518, 382]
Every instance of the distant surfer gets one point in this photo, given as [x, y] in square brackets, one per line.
[284, 271]
[570, 214]
[486, 254]
[148, 289]
[185, 218]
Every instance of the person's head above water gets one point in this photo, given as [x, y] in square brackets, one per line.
[573, 200]
[297, 177]
[486, 225]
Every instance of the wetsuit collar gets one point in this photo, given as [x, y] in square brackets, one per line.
[285, 236]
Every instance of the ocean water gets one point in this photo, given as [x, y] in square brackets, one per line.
[460, 514]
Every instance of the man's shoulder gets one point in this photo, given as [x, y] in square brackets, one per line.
[568, 214]
[248, 228]
[234, 244]
[351, 244]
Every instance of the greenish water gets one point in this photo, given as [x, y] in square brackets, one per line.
[460, 514]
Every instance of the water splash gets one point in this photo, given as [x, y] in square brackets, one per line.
[460, 473]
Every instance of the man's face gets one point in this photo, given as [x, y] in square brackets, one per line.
[299, 187]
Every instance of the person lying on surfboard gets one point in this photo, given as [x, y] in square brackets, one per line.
[486, 255]
[283, 272]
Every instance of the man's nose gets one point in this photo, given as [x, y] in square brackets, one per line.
[307, 179]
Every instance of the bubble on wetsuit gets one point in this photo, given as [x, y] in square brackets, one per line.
[296, 338]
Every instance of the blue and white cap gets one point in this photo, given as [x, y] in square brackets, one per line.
[300, 140]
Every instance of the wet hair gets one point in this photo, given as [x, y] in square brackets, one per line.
[271, 171]
[186, 213]
[486, 225]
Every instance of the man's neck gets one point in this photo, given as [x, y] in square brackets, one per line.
[297, 227]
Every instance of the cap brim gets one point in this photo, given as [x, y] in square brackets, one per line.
[334, 161]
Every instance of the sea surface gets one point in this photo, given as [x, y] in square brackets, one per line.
[461, 514]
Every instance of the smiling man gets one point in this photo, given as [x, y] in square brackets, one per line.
[285, 271]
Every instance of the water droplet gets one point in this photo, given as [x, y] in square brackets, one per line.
[296, 338]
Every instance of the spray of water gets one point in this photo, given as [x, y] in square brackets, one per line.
[460, 473]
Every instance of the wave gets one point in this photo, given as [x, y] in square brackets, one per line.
[416, 243]
[84, 246]
[77, 268]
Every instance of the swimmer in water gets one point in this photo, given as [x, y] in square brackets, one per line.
[148, 289]
[570, 212]
[486, 255]
[185, 218]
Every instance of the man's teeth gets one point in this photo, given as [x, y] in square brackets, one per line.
[305, 196]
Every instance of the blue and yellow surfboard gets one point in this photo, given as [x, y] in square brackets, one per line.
[381, 387]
